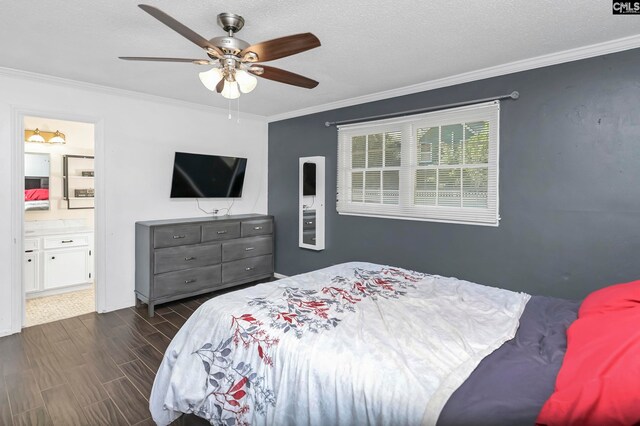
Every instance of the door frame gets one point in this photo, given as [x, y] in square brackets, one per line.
[17, 295]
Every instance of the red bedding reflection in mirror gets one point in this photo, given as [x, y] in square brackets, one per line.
[36, 194]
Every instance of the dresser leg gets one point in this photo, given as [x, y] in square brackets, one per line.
[138, 303]
[150, 310]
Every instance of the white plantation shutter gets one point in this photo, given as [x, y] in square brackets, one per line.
[439, 166]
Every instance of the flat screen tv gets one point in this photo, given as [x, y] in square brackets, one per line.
[207, 176]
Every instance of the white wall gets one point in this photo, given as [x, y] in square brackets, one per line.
[140, 137]
[80, 141]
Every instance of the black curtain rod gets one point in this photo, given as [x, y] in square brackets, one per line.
[513, 95]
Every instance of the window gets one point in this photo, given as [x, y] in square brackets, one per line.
[439, 166]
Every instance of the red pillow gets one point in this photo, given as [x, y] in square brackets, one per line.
[613, 298]
[599, 381]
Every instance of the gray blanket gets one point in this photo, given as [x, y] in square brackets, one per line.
[510, 386]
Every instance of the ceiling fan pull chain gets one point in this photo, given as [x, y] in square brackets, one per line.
[229, 108]
[238, 119]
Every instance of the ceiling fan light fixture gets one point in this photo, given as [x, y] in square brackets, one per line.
[211, 78]
[230, 90]
[246, 81]
[233, 57]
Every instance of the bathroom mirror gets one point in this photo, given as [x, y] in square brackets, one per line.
[311, 206]
[36, 181]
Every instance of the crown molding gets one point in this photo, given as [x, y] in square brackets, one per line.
[65, 82]
[590, 51]
[570, 55]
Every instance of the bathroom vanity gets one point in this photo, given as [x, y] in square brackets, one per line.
[58, 257]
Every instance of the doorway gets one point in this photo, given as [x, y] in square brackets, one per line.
[58, 270]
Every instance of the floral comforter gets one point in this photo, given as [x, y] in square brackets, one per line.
[356, 343]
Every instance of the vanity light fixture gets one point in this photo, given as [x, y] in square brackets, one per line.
[57, 138]
[33, 136]
[44, 137]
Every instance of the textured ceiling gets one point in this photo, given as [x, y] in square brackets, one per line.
[367, 46]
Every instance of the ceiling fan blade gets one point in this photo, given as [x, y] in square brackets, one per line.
[287, 77]
[281, 47]
[182, 29]
[220, 86]
[152, 59]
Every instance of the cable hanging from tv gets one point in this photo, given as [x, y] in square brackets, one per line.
[215, 212]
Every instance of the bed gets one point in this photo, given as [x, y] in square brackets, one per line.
[361, 343]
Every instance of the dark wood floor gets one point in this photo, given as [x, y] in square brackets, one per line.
[95, 369]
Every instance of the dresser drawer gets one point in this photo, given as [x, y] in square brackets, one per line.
[220, 231]
[187, 281]
[257, 227]
[185, 257]
[66, 241]
[176, 236]
[247, 247]
[246, 268]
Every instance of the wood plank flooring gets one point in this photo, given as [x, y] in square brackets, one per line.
[95, 369]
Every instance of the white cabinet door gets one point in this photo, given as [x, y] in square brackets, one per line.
[30, 272]
[66, 267]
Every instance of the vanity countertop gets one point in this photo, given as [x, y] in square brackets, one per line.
[43, 228]
[57, 231]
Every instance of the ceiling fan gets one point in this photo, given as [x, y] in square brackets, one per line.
[235, 62]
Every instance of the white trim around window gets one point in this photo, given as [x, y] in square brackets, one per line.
[440, 166]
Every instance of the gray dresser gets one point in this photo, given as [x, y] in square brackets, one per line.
[186, 257]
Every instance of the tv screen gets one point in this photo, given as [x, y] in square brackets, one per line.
[309, 179]
[207, 176]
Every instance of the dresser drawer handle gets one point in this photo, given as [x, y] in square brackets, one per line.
[189, 258]
[176, 237]
[249, 248]
[66, 241]
[257, 228]
[189, 281]
[221, 232]
[248, 268]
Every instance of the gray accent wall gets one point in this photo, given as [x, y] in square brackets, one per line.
[569, 186]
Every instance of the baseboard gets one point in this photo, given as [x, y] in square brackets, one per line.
[279, 276]
[6, 333]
